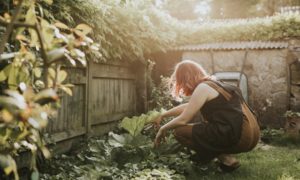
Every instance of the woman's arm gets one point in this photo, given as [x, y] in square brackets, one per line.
[199, 97]
[175, 111]
[197, 100]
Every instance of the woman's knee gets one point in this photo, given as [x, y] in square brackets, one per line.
[177, 132]
[183, 132]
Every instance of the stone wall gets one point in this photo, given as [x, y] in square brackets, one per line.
[267, 78]
[295, 86]
[294, 61]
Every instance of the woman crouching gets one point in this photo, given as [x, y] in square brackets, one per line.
[229, 126]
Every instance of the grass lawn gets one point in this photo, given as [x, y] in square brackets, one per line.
[265, 162]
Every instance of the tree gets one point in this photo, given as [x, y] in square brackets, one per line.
[182, 10]
[232, 8]
[269, 7]
[226, 9]
[249, 8]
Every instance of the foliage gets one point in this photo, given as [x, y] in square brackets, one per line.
[286, 176]
[292, 126]
[126, 30]
[182, 10]
[135, 124]
[22, 118]
[103, 158]
[59, 41]
[123, 156]
[273, 28]
[292, 114]
[268, 135]
[100, 160]
[221, 9]
[272, 6]
[234, 9]
[33, 77]
[279, 137]
[159, 95]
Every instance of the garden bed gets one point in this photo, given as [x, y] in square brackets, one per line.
[122, 155]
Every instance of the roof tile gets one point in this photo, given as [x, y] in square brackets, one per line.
[234, 46]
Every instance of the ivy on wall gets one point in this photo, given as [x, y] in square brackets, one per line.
[279, 27]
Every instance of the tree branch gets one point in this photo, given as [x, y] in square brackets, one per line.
[17, 24]
[10, 27]
[43, 53]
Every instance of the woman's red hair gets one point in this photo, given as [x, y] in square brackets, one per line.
[186, 77]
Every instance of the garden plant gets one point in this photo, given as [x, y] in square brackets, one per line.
[39, 39]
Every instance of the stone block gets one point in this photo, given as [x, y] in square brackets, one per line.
[279, 99]
[295, 91]
[295, 104]
[279, 85]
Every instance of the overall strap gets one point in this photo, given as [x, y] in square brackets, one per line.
[247, 111]
[220, 89]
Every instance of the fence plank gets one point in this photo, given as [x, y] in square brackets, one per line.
[112, 100]
[112, 94]
[72, 111]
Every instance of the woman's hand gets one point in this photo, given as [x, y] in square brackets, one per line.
[159, 137]
[157, 121]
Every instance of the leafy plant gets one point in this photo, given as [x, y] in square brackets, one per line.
[274, 28]
[292, 114]
[132, 147]
[159, 95]
[33, 76]
[120, 156]
[22, 117]
[136, 124]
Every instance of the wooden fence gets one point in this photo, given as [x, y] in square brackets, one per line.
[102, 95]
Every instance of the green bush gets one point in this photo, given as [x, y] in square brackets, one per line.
[279, 27]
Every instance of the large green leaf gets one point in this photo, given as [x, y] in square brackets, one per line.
[8, 165]
[61, 76]
[47, 33]
[133, 125]
[5, 73]
[3, 76]
[30, 18]
[116, 140]
[152, 115]
[46, 96]
[136, 124]
[48, 1]
[35, 175]
[85, 29]
[11, 104]
[12, 77]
